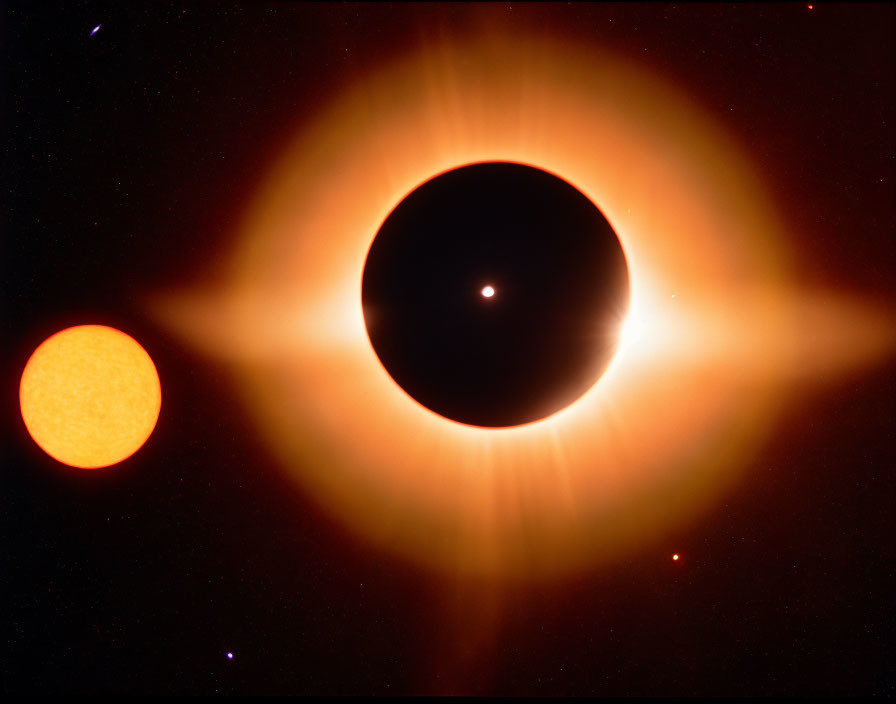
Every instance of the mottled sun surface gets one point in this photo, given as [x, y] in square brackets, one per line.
[90, 396]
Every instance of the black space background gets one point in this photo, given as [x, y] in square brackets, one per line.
[127, 160]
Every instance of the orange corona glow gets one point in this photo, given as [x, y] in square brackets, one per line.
[700, 374]
[90, 396]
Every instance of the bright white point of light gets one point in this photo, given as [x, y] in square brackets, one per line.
[230, 655]
[488, 291]
[675, 556]
[95, 30]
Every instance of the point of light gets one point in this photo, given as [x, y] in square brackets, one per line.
[230, 656]
[675, 557]
[95, 30]
[487, 291]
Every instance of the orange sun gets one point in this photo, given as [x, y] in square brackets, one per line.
[90, 396]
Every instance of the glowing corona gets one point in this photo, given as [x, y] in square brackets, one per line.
[690, 395]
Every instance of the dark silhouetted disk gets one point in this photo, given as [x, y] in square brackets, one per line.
[493, 294]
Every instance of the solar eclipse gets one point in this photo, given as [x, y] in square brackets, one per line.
[564, 294]
[710, 341]
[708, 512]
